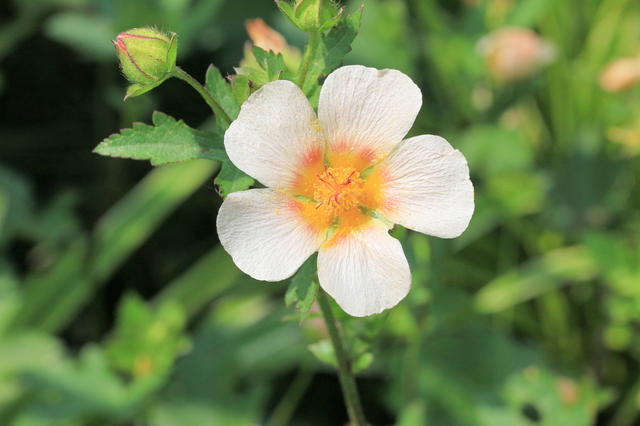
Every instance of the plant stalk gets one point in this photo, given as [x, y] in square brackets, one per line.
[345, 373]
[217, 109]
[306, 59]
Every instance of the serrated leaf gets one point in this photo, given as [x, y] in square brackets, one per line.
[303, 289]
[231, 179]
[329, 53]
[167, 141]
[217, 86]
[272, 64]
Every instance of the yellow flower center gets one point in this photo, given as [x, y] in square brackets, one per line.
[339, 190]
[336, 198]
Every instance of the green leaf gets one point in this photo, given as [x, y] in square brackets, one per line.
[323, 350]
[147, 341]
[22, 353]
[10, 296]
[241, 87]
[537, 276]
[231, 179]
[329, 52]
[217, 86]
[82, 387]
[303, 289]
[273, 65]
[167, 141]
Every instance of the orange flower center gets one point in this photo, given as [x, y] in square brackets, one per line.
[336, 198]
[339, 190]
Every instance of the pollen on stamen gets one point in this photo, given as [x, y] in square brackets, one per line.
[339, 190]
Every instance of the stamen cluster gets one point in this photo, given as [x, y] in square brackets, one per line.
[338, 190]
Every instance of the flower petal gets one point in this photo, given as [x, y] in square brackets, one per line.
[366, 112]
[265, 234]
[366, 271]
[275, 136]
[427, 187]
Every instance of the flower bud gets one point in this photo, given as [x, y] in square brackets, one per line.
[513, 53]
[268, 39]
[311, 15]
[620, 74]
[146, 57]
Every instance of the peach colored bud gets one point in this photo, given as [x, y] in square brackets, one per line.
[620, 74]
[513, 53]
[264, 36]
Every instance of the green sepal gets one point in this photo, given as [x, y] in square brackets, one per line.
[287, 11]
[316, 15]
[376, 215]
[172, 54]
[138, 89]
[303, 289]
[329, 22]
[311, 16]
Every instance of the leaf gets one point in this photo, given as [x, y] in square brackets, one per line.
[329, 53]
[147, 341]
[324, 352]
[167, 141]
[217, 86]
[272, 64]
[241, 87]
[303, 289]
[231, 179]
[82, 387]
[538, 276]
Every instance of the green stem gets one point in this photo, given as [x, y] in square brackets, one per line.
[217, 109]
[309, 53]
[628, 410]
[347, 379]
[283, 412]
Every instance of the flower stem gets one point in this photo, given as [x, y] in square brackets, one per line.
[309, 53]
[347, 379]
[215, 107]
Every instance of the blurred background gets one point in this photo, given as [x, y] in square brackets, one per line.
[119, 307]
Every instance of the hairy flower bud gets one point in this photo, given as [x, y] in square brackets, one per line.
[311, 15]
[146, 57]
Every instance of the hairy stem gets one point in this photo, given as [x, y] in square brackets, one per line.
[347, 379]
[217, 109]
[309, 53]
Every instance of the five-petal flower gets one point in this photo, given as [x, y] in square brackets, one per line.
[336, 182]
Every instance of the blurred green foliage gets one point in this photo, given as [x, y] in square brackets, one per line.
[118, 306]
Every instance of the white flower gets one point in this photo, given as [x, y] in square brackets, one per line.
[337, 181]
